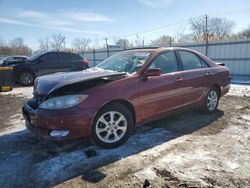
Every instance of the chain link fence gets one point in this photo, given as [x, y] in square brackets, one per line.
[234, 53]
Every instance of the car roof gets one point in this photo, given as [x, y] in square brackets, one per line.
[58, 52]
[158, 49]
[21, 56]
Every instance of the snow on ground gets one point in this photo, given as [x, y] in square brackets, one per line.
[22, 91]
[54, 170]
[240, 90]
[189, 149]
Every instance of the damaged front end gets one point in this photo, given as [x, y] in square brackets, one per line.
[53, 114]
[44, 90]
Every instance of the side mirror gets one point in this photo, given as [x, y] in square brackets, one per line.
[151, 72]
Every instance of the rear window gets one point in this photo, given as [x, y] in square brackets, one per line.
[189, 60]
[64, 56]
[49, 57]
[76, 57]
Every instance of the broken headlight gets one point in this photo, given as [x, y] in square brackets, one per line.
[62, 102]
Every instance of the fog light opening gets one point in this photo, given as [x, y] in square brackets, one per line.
[59, 133]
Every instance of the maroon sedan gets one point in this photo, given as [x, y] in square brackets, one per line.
[129, 88]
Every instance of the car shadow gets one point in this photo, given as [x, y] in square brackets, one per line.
[39, 162]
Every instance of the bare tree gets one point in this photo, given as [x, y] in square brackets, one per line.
[2, 42]
[122, 43]
[57, 41]
[96, 42]
[139, 41]
[18, 47]
[162, 40]
[17, 43]
[245, 33]
[80, 44]
[217, 28]
[44, 44]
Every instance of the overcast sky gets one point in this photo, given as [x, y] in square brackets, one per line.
[97, 19]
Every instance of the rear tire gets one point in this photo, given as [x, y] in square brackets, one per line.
[112, 126]
[26, 78]
[212, 100]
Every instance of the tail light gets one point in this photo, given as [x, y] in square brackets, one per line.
[85, 61]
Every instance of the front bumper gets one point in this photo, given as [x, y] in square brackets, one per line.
[75, 120]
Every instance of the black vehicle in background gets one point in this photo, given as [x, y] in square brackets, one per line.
[47, 63]
[12, 60]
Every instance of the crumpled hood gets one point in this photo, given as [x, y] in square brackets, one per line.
[44, 85]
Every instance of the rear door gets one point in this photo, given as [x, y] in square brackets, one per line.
[64, 62]
[160, 94]
[46, 63]
[77, 62]
[197, 76]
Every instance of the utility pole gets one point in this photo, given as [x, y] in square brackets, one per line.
[124, 45]
[106, 41]
[206, 35]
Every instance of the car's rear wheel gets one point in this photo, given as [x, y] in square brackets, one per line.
[212, 100]
[26, 78]
[112, 126]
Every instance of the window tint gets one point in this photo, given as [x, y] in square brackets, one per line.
[64, 56]
[10, 58]
[49, 57]
[76, 57]
[189, 60]
[204, 64]
[167, 62]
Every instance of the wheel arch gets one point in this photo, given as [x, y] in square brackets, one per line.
[125, 103]
[218, 89]
[26, 70]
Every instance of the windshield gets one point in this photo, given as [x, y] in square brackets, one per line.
[127, 61]
[33, 57]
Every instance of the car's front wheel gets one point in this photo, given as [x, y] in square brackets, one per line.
[26, 78]
[112, 126]
[212, 100]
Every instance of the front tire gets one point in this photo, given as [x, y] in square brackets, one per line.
[26, 78]
[112, 126]
[212, 100]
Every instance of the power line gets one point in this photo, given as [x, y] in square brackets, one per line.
[224, 12]
[156, 29]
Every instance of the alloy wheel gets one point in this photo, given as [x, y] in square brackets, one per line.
[212, 100]
[26, 78]
[111, 127]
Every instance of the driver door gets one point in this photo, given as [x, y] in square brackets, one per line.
[47, 63]
[160, 94]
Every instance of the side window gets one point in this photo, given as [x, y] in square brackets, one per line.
[204, 64]
[64, 57]
[76, 57]
[49, 57]
[10, 58]
[167, 62]
[190, 60]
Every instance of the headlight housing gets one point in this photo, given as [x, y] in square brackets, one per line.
[63, 102]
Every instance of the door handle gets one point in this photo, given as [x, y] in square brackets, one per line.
[208, 73]
[179, 79]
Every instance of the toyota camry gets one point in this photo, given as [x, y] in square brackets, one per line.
[130, 88]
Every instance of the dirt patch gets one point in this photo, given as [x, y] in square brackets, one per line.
[191, 149]
[11, 104]
[10, 111]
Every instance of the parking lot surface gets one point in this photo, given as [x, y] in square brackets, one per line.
[191, 149]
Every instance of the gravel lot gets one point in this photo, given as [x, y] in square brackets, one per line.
[191, 149]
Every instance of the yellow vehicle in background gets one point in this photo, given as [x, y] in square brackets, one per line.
[6, 79]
